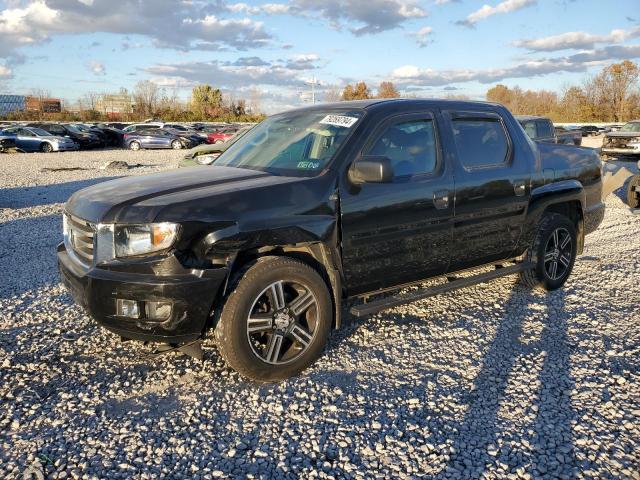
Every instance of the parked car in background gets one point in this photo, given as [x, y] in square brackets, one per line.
[155, 138]
[206, 154]
[7, 142]
[33, 139]
[625, 141]
[223, 134]
[319, 206]
[541, 129]
[191, 135]
[116, 125]
[84, 140]
[136, 127]
[590, 131]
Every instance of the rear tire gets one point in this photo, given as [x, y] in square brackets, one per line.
[633, 192]
[552, 252]
[135, 146]
[276, 321]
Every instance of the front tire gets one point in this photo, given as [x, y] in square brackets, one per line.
[46, 148]
[176, 145]
[553, 253]
[633, 192]
[276, 321]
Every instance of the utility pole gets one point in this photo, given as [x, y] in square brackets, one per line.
[313, 84]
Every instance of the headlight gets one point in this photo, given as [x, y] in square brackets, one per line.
[133, 240]
[205, 159]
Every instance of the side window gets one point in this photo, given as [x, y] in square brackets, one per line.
[480, 142]
[411, 147]
[530, 129]
[23, 132]
[544, 129]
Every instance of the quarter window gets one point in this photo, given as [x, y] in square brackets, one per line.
[544, 129]
[411, 147]
[480, 142]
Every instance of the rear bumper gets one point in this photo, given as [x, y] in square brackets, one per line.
[191, 292]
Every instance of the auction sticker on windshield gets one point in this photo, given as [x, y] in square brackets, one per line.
[339, 120]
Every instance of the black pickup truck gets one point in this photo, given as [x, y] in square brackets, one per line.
[320, 205]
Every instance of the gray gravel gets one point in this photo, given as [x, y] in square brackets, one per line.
[491, 381]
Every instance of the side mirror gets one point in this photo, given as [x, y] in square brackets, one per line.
[371, 169]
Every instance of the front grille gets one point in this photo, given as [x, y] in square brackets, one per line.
[79, 238]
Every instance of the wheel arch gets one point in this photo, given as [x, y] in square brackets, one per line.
[318, 255]
[567, 198]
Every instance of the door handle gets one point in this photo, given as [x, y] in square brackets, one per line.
[519, 188]
[441, 199]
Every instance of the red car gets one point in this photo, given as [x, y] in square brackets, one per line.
[222, 135]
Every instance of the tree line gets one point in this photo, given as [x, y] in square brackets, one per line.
[612, 95]
[148, 100]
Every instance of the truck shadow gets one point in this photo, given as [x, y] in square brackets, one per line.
[503, 427]
[549, 441]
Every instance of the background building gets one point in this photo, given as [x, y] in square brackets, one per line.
[115, 104]
[11, 103]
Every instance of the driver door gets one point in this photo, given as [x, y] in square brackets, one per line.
[399, 232]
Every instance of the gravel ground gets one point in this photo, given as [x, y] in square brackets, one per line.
[492, 381]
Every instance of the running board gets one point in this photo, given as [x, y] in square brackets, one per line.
[376, 306]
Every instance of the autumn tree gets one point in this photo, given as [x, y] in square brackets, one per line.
[145, 96]
[359, 92]
[387, 90]
[207, 99]
[615, 87]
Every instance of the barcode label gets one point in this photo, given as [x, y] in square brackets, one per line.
[339, 121]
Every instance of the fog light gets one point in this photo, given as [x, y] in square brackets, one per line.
[158, 310]
[128, 308]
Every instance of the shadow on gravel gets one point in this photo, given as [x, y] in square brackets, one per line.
[28, 255]
[546, 444]
[24, 197]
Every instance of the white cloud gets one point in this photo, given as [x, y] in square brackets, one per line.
[576, 40]
[5, 72]
[487, 11]
[361, 17]
[182, 26]
[422, 36]
[97, 68]
[411, 75]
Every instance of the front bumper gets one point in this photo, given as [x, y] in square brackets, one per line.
[66, 147]
[191, 292]
[634, 150]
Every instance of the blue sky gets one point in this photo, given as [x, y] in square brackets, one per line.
[272, 49]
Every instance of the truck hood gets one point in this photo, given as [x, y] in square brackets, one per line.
[197, 194]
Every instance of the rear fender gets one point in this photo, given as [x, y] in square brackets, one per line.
[564, 196]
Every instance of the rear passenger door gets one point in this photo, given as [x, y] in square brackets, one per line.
[398, 232]
[492, 188]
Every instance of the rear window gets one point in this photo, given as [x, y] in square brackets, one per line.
[480, 142]
[544, 129]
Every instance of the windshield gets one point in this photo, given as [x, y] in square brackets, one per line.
[74, 129]
[631, 127]
[299, 143]
[40, 132]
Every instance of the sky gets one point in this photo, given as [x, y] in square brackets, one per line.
[274, 50]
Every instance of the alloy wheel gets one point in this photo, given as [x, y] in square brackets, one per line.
[557, 254]
[282, 322]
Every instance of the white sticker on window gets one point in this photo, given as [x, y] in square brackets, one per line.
[339, 120]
